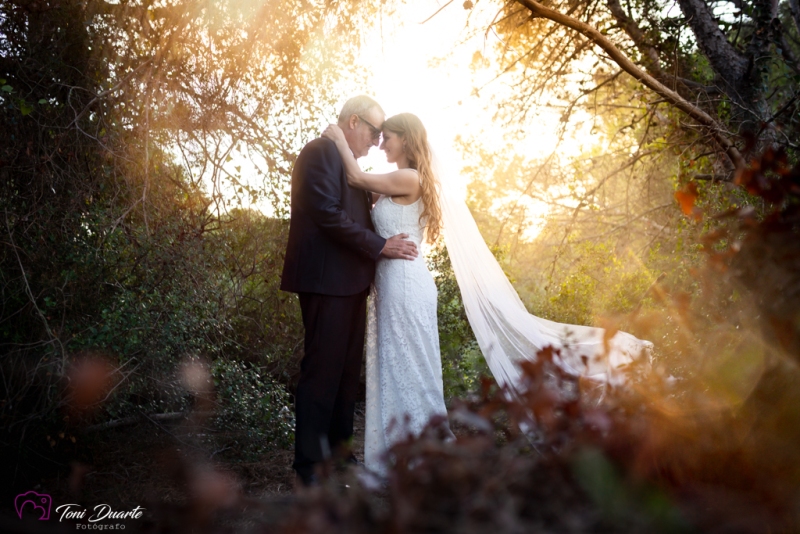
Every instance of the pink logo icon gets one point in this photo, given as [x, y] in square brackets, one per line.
[40, 501]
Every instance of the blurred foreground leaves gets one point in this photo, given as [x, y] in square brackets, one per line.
[712, 449]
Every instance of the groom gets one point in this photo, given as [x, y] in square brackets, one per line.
[330, 263]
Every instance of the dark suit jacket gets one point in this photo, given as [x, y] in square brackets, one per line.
[332, 244]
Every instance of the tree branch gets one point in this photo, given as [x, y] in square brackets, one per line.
[437, 12]
[715, 129]
[764, 12]
[107, 92]
[53, 337]
[795, 7]
[653, 62]
[786, 49]
[724, 59]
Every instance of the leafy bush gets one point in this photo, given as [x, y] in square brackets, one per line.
[111, 245]
[462, 361]
[252, 406]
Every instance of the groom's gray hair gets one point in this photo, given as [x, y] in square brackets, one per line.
[358, 105]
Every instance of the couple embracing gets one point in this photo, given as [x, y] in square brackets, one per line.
[348, 230]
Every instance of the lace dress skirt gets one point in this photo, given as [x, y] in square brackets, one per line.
[404, 367]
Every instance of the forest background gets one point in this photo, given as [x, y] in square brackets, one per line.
[144, 168]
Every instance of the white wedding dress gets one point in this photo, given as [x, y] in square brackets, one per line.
[404, 366]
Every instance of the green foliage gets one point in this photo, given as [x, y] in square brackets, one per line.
[462, 361]
[619, 500]
[599, 282]
[117, 118]
[266, 321]
[253, 407]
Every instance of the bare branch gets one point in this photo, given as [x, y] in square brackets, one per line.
[107, 92]
[437, 12]
[54, 338]
[715, 128]
[652, 62]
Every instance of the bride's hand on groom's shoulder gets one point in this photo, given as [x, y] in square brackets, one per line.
[334, 133]
[398, 247]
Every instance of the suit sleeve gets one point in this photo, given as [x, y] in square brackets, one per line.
[323, 193]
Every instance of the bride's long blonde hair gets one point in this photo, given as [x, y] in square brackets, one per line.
[409, 128]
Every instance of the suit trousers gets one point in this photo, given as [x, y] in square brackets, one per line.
[329, 376]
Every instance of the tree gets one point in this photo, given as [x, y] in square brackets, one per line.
[116, 116]
[734, 75]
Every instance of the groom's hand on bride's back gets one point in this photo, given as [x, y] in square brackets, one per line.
[398, 247]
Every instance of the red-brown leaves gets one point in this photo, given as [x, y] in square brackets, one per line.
[90, 379]
[770, 177]
[687, 197]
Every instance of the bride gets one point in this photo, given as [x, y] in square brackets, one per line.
[404, 371]
[404, 367]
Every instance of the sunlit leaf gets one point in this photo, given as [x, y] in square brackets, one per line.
[686, 197]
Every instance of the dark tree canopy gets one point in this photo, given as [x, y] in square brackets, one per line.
[121, 122]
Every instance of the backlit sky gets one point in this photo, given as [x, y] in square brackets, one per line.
[399, 54]
[424, 68]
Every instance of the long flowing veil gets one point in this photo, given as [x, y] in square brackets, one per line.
[505, 331]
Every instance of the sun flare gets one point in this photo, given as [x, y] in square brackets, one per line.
[413, 62]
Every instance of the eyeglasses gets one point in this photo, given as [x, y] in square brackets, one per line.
[376, 132]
